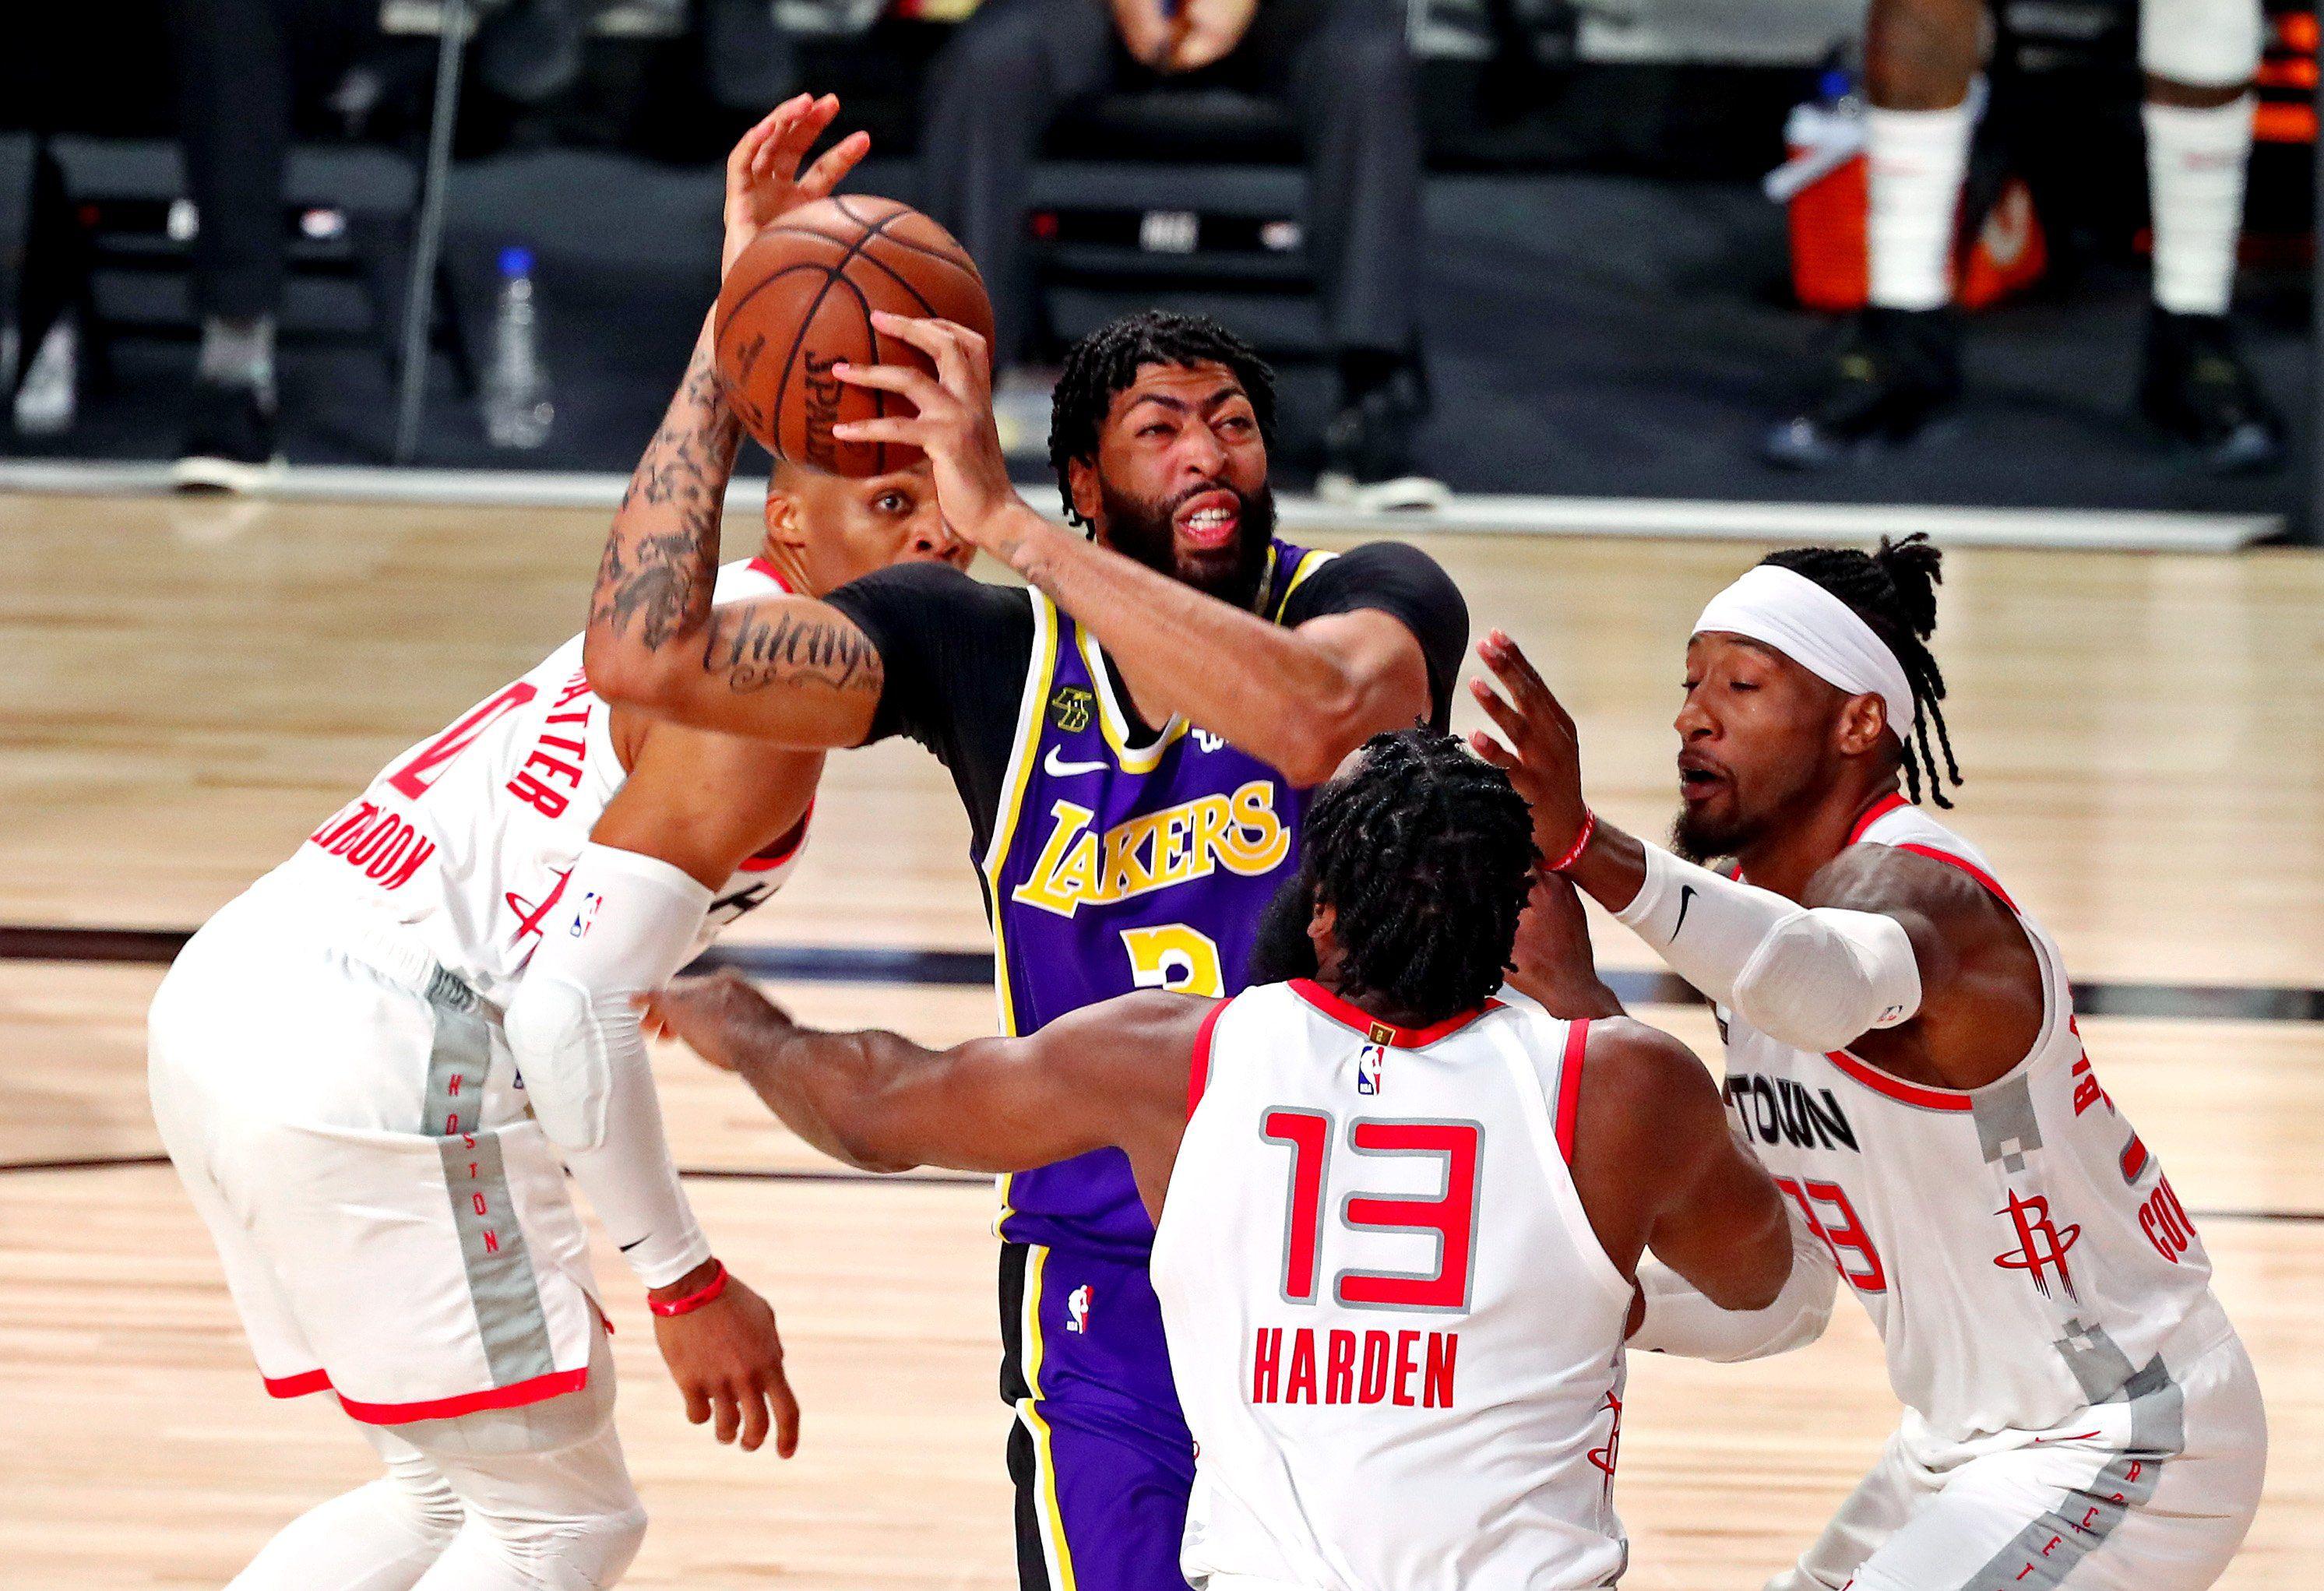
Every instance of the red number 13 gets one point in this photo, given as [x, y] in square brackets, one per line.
[1448, 1217]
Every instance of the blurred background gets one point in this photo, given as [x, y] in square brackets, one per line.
[1541, 249]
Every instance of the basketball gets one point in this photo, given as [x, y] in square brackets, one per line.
[800, 300]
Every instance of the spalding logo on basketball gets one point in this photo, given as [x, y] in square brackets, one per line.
[799, 300]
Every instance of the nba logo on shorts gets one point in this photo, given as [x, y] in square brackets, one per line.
[587, 914]
[1077, 1303]
[1367, 1070]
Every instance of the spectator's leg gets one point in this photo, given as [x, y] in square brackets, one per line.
[2201, 57]
[234, 108]
[1899, 365]
[995, 92]
[1354, 89]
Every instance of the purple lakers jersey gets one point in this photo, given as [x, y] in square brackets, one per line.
[1122, 858]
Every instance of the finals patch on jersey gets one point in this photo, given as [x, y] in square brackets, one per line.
[1370, 1064]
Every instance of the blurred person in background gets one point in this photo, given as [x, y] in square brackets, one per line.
[1345, 71]
[1900, 364]
[236, 63]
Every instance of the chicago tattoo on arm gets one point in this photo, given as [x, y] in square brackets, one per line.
[662, 560]
[792, 648]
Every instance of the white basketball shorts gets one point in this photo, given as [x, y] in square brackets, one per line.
[2150, 1492]
[394, 1227]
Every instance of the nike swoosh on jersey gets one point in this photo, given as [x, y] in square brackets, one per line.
[1686, 899]
[1057, 768]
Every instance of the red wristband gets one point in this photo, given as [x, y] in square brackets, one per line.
[707, 1293]
[1581, 842]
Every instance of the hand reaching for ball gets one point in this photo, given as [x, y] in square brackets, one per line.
[952, 423]
[763, 180]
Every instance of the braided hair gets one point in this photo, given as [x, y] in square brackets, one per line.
[1894, 591]
[1425, 853]
[1101, 367]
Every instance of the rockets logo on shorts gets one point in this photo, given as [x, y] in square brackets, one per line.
[1370, 1064]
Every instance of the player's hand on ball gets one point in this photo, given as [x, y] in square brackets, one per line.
[727, 1360]
[763, 180]
[1543, 757]
[952, 421]
[718, 1017]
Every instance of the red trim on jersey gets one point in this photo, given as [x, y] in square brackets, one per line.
[1875, 812]
[782, 849]
[1569, 1086]
[759, 565]
[1965, 865]
[297, 1386]
[1896, 1088]
[1372, 1027]
[1198, 1073]
[514, 1395]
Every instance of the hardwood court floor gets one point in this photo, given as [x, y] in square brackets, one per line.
[188, 687]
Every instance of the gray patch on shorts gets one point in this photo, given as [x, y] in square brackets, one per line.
[2007, 1130]
[509, 1320]
[2061, 1537]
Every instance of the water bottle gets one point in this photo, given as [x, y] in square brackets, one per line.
[516, 409]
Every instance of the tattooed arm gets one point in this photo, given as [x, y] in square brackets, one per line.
[787, 669]
[792, 671]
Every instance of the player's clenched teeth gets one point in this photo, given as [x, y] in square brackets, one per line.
[1210, 520]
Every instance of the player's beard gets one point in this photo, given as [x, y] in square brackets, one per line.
[1280, 949]
[1701, 836]
[1138, 528]
[1697, 839]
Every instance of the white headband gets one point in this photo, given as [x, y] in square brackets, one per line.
[1818, 631]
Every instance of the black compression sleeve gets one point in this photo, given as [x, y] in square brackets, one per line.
[1408, 585]
[954, 653]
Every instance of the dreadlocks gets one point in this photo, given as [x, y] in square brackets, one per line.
[1894, 591]
[1101, 367]
[1425, 853]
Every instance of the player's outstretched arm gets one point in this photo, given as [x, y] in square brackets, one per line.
[1109, 1075]
[1657, 1169]
[786, 669]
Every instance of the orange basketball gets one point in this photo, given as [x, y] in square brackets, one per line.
[799, 300]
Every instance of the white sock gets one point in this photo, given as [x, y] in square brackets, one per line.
[1915, 161]
[382, 1537]
[2195, 165]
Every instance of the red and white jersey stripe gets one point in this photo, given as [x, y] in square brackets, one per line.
[1396, 1339]
[466, 838]
[2017, 1245]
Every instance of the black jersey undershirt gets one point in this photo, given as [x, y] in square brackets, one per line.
[955, 651]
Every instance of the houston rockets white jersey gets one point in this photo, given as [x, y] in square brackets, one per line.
[468, 837]
[2017, 1246]
[1396, 1339]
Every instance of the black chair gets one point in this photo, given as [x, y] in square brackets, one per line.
[1186, 195]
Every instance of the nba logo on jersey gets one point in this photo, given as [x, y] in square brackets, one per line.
[587, 914]
[1207, 740]
[1367, 1070]
[1077, 1303]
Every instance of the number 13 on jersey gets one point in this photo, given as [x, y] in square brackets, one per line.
[1448, 1218]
